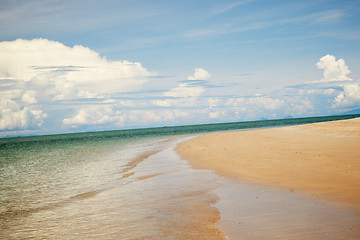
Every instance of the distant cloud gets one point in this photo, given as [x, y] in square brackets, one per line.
[112, 116]
[333, 70]
[258, 102]
[349, 97]
[199, 74]
[163, 103]
[185, 90]
[336, 92]
[13, 116]
[336, 73]
[95, 115]
[29, 97]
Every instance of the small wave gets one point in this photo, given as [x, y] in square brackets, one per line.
[126, 175]
[84, 195]
[11, 213]
[155, 175]
[136, 161]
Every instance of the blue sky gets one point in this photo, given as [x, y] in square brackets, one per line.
[69, 66]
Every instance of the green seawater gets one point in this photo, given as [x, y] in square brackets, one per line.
[100, 137]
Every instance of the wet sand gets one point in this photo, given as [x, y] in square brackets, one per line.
[298, 182]
[252, 211]
[320, 159]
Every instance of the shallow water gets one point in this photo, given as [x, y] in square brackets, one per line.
[142, 190]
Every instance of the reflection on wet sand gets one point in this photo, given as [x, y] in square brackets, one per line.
[258, 212]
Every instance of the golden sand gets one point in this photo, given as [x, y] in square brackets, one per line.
[320, 159]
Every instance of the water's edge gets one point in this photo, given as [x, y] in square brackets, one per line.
[253, 211]
[132, 183]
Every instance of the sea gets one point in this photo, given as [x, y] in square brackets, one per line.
[126, 184]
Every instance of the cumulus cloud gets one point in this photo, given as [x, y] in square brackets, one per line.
[39, 72]
[333, 70]
[13, 116]
[259, 102]
[157, 117]
[69, 71]
[162, 103]
[349, 97]
[113, 116]
[214, 101]
[336, 73]
[29, 97]
[199, 74]
[95, 115]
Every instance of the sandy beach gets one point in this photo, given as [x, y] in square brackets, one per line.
[321, 160]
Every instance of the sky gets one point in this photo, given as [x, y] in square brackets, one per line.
[76, 66]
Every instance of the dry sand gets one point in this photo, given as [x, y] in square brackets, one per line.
[320, 159]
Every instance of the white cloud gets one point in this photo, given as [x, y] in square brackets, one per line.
[112, 116]
[214, 115]
[259, 102]
[29, 97]
[162, 103]
[336, 73]
[333, 70]
[85, 92]
[156, 116]
[247, 108]
[127, 103]
[185, 106]
[69, 71]
[13, 116]
[299, 107]
[199, 74]
[95, 115]
[349, 97]
[213, 102]
[39, 72]
[185, 90]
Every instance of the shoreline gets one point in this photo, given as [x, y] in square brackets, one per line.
[319, 159]
[252, 211]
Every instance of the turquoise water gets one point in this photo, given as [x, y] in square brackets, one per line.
[126, 184]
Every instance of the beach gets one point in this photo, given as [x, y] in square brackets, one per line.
[297, 182]
[320, 159]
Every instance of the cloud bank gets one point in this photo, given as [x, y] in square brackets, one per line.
[69, 72]
[45, 85]
[40, 71]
